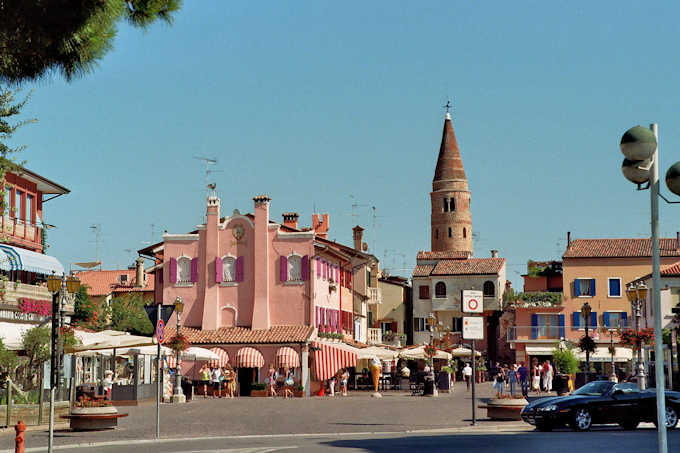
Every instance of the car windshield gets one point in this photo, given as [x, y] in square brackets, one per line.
[597, 388]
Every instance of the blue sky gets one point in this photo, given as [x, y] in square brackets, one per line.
[317, 102]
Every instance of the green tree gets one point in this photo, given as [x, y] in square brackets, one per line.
[38, 37]
[565, 360]
[36, 346]
[128, 315]
[8, 362]
[84, 309]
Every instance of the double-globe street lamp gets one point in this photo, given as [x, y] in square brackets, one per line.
[585, 313]
[637, 295]
[639, 145]
[178, 396]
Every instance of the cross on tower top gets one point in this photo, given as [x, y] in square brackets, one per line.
[448, 107]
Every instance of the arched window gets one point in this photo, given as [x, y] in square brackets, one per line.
[436, 234]
[228, 269]
[450, 233]
[452, 204]
[446, 205]
[440, 289]
[489, 288]
[464, 232]
[294, 268]
[184, 269]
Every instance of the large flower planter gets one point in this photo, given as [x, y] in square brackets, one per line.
[504, 409]
[93, 418]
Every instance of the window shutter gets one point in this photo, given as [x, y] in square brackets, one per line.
[576, 319]
[605, 318]
[283, 268]
[194, 270]
[323, 267]
[218, 270]
[577, 289]
[624, 319]
[560, 323]
[316, 317]
[593, 319]
[534, 324]
[239, 269]
[336, 320]
[395, 327]
[305, 268]
[592, 287]
[173, 270]
[160, 276]
[318, 267]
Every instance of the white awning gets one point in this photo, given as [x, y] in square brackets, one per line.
[419, 353]
[12, 334]
[18, 259]
[464, 352]
[540, 350]
[602, 354]
[377, 352]
[109, 339]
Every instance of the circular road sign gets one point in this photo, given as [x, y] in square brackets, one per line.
[473, 304]
[160, 331]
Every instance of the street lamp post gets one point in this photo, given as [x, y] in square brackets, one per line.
[178, 396]
[58, 286]
[432, 322]
[585, 312]
[637, 295]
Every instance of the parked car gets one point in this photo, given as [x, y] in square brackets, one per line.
[601, 402]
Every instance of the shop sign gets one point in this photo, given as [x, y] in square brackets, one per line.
[13, 315]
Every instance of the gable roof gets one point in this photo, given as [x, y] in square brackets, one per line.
[103, 283]
[245, 335]
[672, 270]
[620, 248]
[470, 266]
[443, 255]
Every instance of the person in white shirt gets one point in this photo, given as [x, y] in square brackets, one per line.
[215, 376]
[467, 375]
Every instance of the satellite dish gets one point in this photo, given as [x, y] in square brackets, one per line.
[636, 171]
[364, 247]
[638, 143]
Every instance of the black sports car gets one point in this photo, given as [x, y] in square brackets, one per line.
[601, 402]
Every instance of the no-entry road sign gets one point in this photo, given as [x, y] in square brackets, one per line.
[473, 301]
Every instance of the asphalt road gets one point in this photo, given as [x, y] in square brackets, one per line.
[483, 441]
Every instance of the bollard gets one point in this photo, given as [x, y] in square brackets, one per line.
[19, 440]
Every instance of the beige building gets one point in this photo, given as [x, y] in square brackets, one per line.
[388, 319]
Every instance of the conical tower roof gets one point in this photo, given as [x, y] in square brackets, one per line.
[449, 163]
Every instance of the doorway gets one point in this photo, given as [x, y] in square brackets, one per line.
[246, 378]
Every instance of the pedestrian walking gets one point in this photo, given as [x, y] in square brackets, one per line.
[331, 385]
[513, 379]
[229, 380]
[205, 379]
[271, 381]
[547, 376]
[467, 375]
[499, 382]
[536, 377]
[344, 377]
[215, 377]
[523, 379]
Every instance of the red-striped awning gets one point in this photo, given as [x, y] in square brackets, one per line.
[329, 359]
[248, 357]
[222, 361]
[287, 357]
[172, 361]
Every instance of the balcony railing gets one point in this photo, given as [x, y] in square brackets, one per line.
[374, 336]
[21, 229]
[374, 296]
[535, 333]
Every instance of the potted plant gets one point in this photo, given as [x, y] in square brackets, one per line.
[566, 364]
[505, 407]
[445, 382]
[299, 391]
[258, 389]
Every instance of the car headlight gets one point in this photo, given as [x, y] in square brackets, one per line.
[551, 407]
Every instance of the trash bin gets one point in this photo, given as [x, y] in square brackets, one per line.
[428, 386]
[187, 388]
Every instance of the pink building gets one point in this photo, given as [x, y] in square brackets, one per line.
[255, 288]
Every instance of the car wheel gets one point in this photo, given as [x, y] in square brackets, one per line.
[629, 424]
[545, 427]
[581, 420]
[671, 417]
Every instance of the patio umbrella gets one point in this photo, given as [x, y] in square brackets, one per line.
[376, 351]
[463, 352]
[419, 353]
[109, 339]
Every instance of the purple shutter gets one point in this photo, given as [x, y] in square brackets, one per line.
[316, 317]
[239, 269]
[337, 274]
[173, 270]
[194, 270]
[218, 270]
[318, 267]
[323, 266]
[305, 268]
[336, 324]
[283, 269]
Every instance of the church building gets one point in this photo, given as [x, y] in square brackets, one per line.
[448, 268]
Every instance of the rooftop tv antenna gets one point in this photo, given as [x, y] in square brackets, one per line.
[97, 230]
[209, 163]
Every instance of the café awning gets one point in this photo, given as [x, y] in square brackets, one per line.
[18, 259]
[220, 359]
[248, 357]
[328, 359]
[287, 357]
[602, 354]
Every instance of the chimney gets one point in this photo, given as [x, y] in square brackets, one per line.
[321, 227]
[494, 253]
[261, 318]
[568, 238]
[358, 235]
[290, 219]
[210, 238]
[139, 277]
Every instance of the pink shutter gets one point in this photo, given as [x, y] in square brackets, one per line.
[239, 269]
[325, 269]
[318, 267]
[305, 268]
[218, 270]
[194, 270]
[173, 270]
[283, 268]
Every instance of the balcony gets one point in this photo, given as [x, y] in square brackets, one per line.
[374, 296]
[374, 336]
[21, 232]
[520, 333]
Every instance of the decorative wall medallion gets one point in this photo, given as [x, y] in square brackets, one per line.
[238, 232]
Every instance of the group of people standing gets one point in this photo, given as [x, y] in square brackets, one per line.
[342, 377]
[517, 375]
[542, 376]
[280, 382]
[219, 378]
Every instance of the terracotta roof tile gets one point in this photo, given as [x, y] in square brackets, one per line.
[423, 270]
[245, 335]
[444, 255]
[619, 248]
[102, 283]
[672, 270]
[471, 266]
